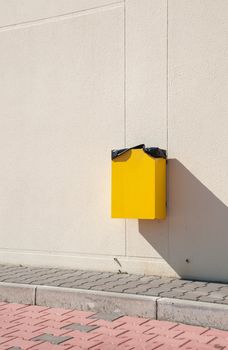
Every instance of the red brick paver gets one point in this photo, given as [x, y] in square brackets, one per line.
[24, 327]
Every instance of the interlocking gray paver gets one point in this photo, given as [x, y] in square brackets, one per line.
[193, 295]
[172, 294]
[67, 285]
[208, 299]
[84, 285]
[151, 292]
[56, 340]
[100, 288]
[137, 290]
[178, 283]
[218, 295]
[185, 288]
[116, 282]
[224, 289]
[117, 289]
[132, 284]
[93, 279]
[79, 327]
[167, 279]
[155, 284]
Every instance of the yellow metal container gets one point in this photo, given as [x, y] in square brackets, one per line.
[138, 186]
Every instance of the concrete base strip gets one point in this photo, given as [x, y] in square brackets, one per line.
[17, 293]
[193, 312]
[106, 302]
[184, 311]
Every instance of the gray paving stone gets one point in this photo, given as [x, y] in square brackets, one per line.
[218, 295]
[137, 290]
[224, 289]
[178, 283]
[117, 289]
[79, 327]
[116, 282]
[152, 292]
[155, 283]
[56, 340]
[192, 295]
[100, 288]
[172, 294]
[185, 288]
[206, 299]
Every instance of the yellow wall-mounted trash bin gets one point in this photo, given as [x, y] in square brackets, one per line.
[139, 183]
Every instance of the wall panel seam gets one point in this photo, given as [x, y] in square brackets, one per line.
[67, 15]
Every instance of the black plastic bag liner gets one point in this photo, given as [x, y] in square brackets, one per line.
[154, 152]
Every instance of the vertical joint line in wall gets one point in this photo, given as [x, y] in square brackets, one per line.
[124, 87]
[167, 113]
[167, 75]
[125, 109]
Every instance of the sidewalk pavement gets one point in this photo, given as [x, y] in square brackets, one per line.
[194, 302]
[24, 327]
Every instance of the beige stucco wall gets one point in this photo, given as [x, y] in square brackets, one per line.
[80, 77]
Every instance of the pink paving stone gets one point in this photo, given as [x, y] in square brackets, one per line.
[34, 321]
[219, 343]
[131, 320]
[9, 325]
[81, 320]
[201, 338]
[169, 341]
[27, 335]
[161, 324]
[5, 340]
[192, 329]
[83, 314]
[58, 325]
[141, 338]
[10, 319]
[37, 309]
[109, 331]
[217, 333]
[7, 333]
[143, 328]
[49, 346]
[85, 321]
[106, 339]
[55, 317]
[27, 328]
[56, 311]
[82, 335]
[104, 323]
[170, 333]
[196, 346]
[113, 347]
[125, 333]
[14, 307]
[55, 331]
[21, 343]
[83, 343]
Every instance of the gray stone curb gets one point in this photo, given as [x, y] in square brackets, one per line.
[193, 312]
[105, 302]
[170, 309]
[17, 293]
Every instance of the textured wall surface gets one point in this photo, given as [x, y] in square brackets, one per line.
[78, 78]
